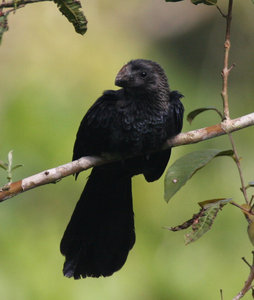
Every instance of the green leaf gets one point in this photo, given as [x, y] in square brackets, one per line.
[203, 221]
[191, 116]
[207, 2]
[71, 10]
[3, 24]
[185, 167]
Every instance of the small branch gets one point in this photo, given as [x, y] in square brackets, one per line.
[221, 294]
[238, 164]
[221, 12]
[225, 72]
[247, 212]
[84, 163]
[248, 283]
[19, 3]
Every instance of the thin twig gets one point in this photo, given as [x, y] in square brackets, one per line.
[225, 72]
[238, 164]
[17, 4]
[84, 163]
[247, 212]
[247, 263]
[221, 12]
[221, 294]
[248, 284]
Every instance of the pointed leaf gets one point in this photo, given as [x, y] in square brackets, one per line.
[184, 168]
[191, 116]
[176, 0]
[205, 218]
[3, 24]
[71, 10]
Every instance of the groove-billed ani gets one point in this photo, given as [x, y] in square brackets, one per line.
[132, 121]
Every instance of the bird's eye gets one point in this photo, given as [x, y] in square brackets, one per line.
[143, 74]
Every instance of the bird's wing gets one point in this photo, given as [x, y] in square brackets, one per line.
[177, 111]
[94, 129]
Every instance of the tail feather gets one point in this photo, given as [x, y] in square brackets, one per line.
[101, 232]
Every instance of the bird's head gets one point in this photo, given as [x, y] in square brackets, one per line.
[142, 76]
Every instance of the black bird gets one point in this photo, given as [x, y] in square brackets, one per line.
[133, 121]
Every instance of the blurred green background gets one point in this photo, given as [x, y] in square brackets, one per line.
[50, 76]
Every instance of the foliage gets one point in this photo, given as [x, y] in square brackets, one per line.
[207, 2]
[207, 215]
[185, 167]
[202, 221]
[3, 25]
[71, 10]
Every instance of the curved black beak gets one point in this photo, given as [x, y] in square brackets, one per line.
[123, 78]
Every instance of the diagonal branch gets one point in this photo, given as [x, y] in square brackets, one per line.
[17, 3]
[248, 283]
[84, 163]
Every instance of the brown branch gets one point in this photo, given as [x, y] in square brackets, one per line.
[248, 283]
[226, 70]
[225, 73]
[19, 3]
[238, 164]
[84, 163]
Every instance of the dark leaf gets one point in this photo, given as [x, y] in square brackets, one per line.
[71, 10]
[183, 169]
[207, 2]
[184, 225]
[176, 0]
[3, 24]
[205, 218]
[191, 116]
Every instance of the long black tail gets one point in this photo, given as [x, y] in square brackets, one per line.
[101, 232]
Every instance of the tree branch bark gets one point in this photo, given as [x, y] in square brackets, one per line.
[55, 174]
[19, 3]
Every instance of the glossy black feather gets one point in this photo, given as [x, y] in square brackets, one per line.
[133, 121]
